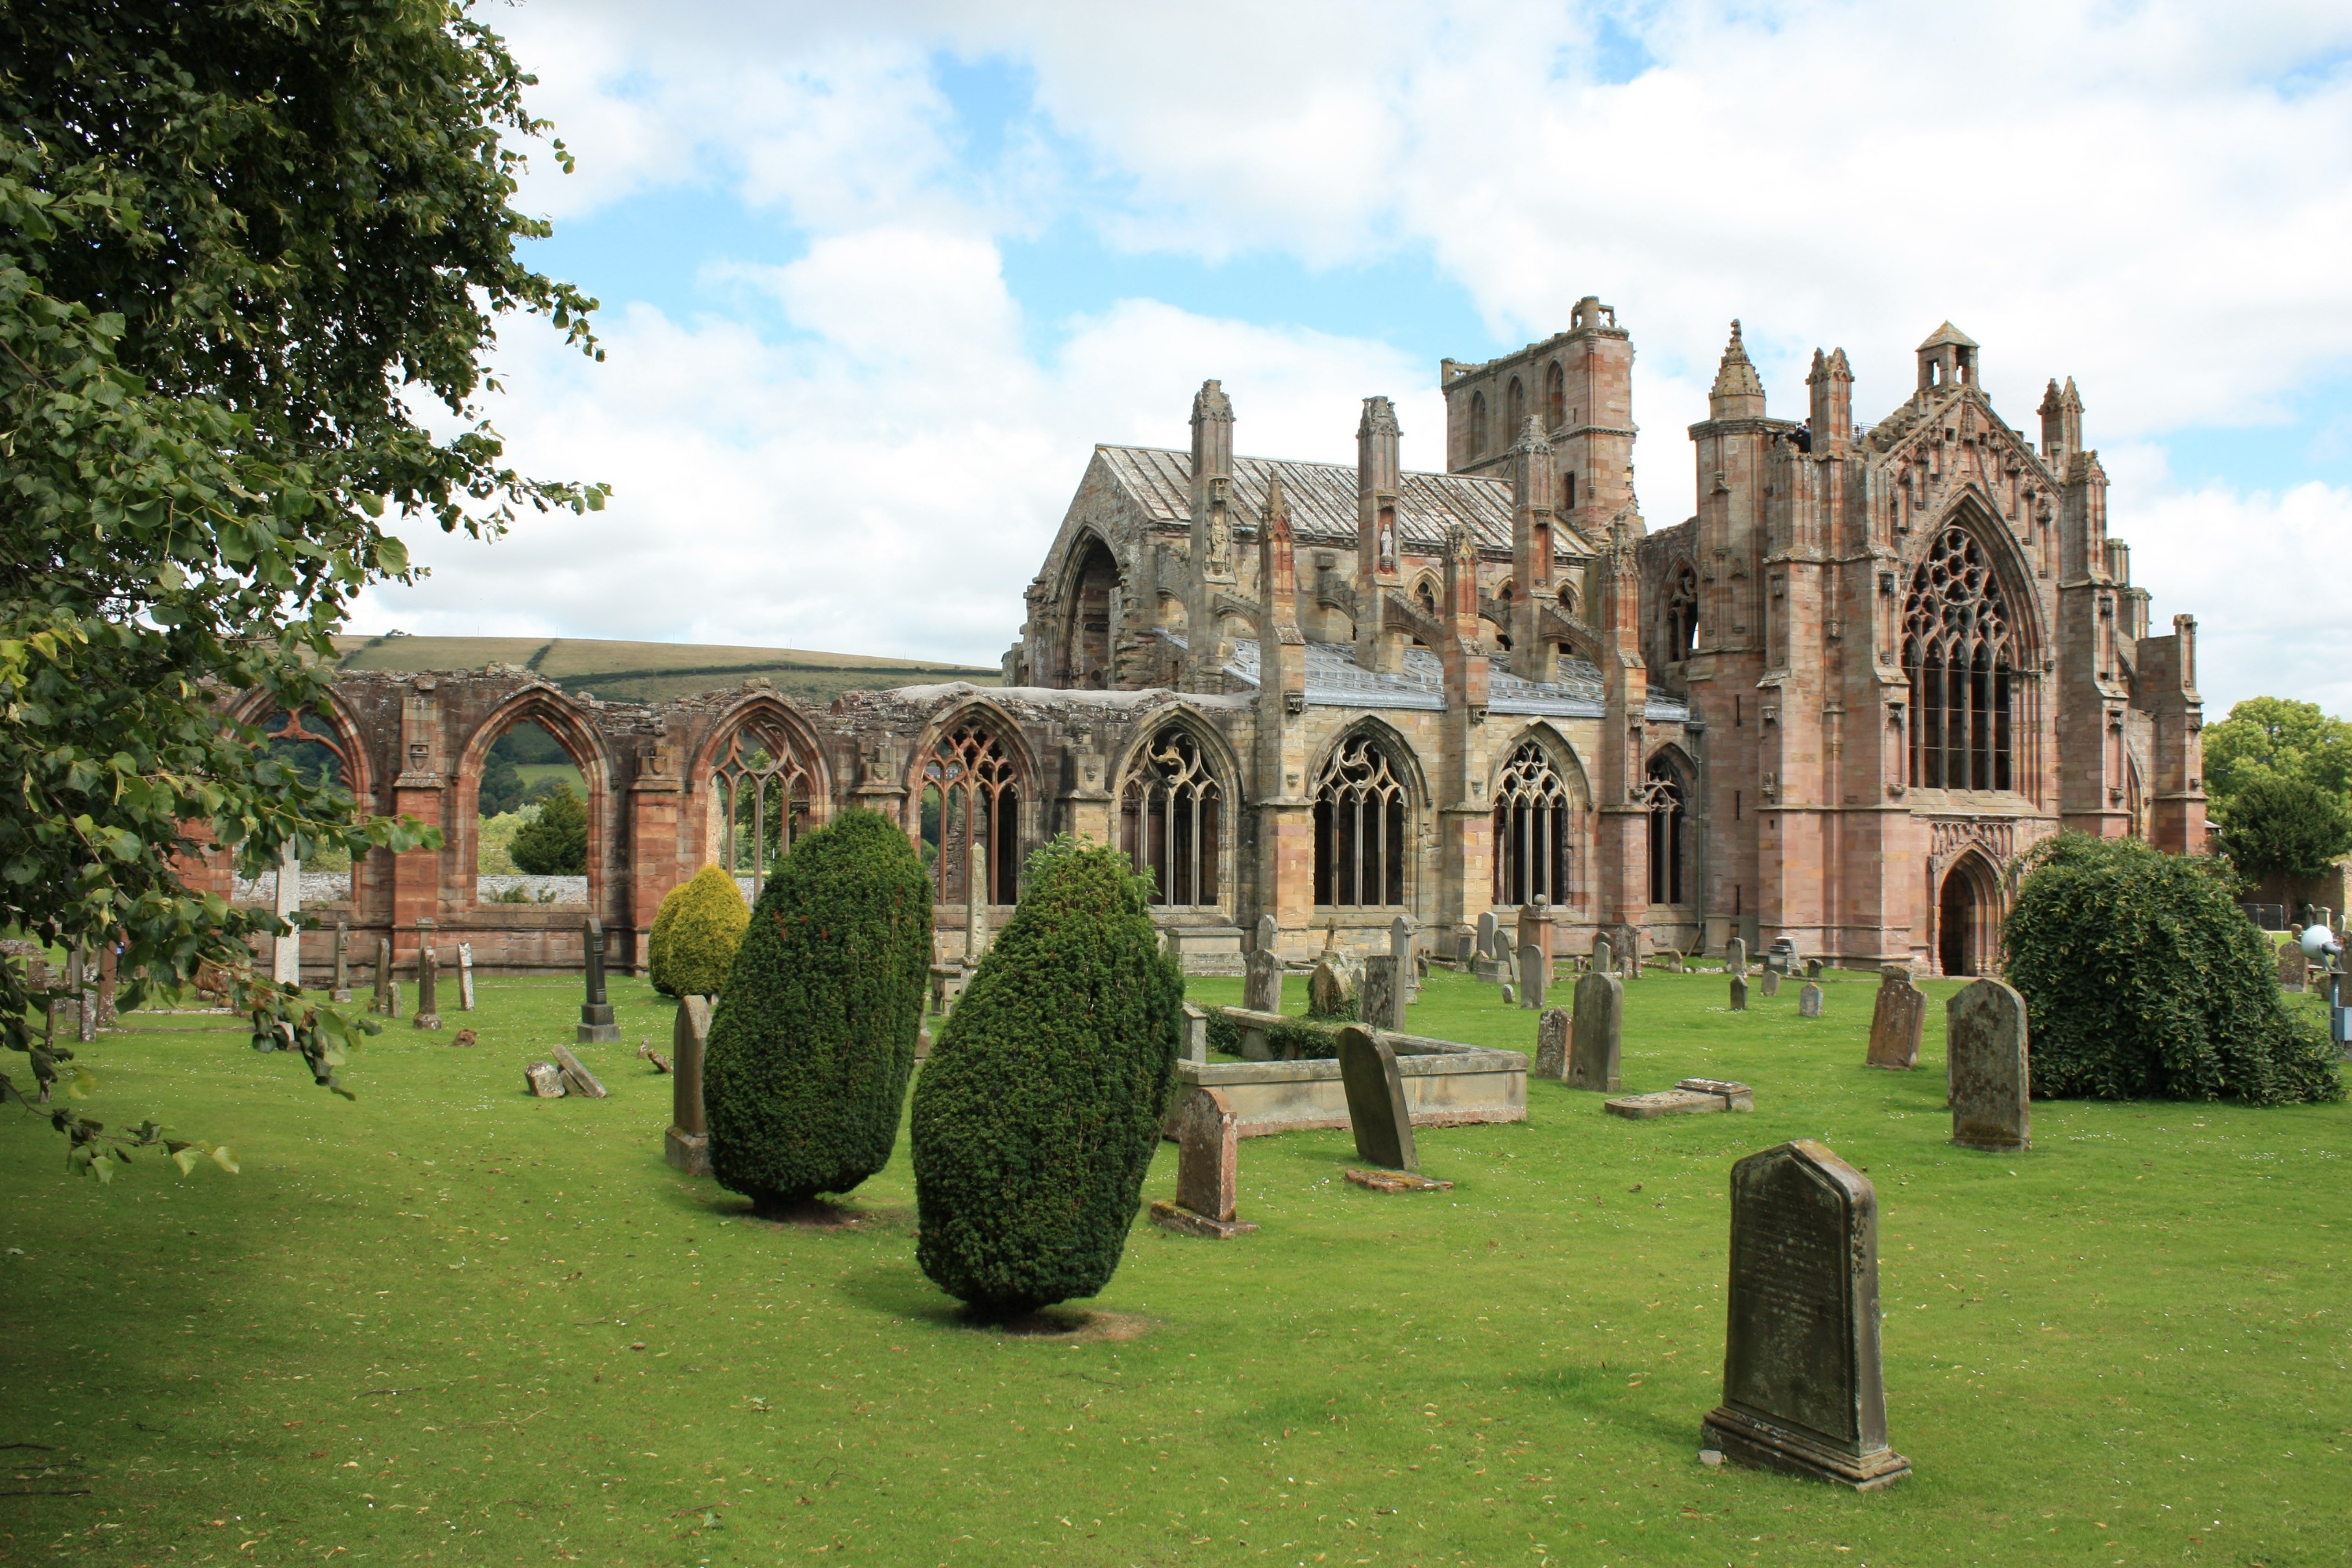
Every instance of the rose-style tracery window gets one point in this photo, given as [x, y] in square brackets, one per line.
[1171, 820]
[761, 789]
[1360, 806]
[1533, 829]
[1960, 651]
[971, 800]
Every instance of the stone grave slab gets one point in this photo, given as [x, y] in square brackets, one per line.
[1597, 1034]
[1896, 1019]
[1262, 981]
[577, 1079]
[1692, 1096]
[1986, 1047]
[1376, 1111]
[1196, 1033]
[1534, 974]
[1397, 1182]
[2293, 969]
[1207, 1142]
[1552, 1028]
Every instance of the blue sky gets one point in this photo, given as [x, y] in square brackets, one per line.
[875, 278]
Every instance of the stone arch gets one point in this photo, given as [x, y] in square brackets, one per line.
[1180, 809]
[755, 785]
[1541, 823]
[1093, 589]
[1968, 902]
[972, 780]
[556, 713]
[1368, 796]
[1670, 790]
[325, 724]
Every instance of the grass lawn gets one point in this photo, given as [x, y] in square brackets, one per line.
[452, 1322]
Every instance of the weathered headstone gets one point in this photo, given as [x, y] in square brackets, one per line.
[342, 989]
[687, 1145]
[1382, 998]
[2293, 969]
[1552, 1028]
[1627, 946]
[1400, 949]
[428, 994]
[465, 976]
[1598, 1034]
[1809, 1000]
[387, 987]
[1734, 957]
[596, 1025]
[1771, 984]
[1738, 994]
[1693, 1096]
[1207, 1137]
[1812, 969]
[1896, 1019]
[1535, 975]
[1269, 933]
[1488, 924]
[545, 1080]
[1604, 956]
[1801, 1385]
[1985, 1048]
[1262, 982]
[577, 1079]
[1376, 1111]
[1510, 995]
[1196, 1034]
[1333, 989]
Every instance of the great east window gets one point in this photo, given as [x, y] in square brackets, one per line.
[1959, 654]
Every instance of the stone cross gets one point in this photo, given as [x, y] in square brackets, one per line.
[1985, 1052]
[1262, 982]
[1196, 1034]
[1896, 1019]
[1377, 1110]
[429, 996]
[596, 1025]
[341, 990]
[286, 951]
[1735, 956]
[1598, 1034]
[1552, 1028]
[1738, 992]
[1809, 1000]
[1535, 974]
[1771, 984]
[1400, 949]
[687, 1145]
[1382, 998]
[465, 976]
[1208, 1140]
[387, 987]
[1803, 1391]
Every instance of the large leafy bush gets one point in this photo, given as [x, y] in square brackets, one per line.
[813, 1037]
[555, 842]
[695, 934]
[2143, 980]
[1039, 1111]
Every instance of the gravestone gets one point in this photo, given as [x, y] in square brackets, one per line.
[596, 1026]
[1510, 995]
[1734, 957]
[1488, 924]
[1803, 1391]
[465, 977]
[387, 988]
[1551, 1043]
[577, 1079]
[1376, 1111]
[1770, 983]
[342, 989]
[1985, 1047]
[1738, 994]
[687, 1145]
[1262, 982]
[1208, 1140]
[975, 903]
[1604, 956]
[1269, 934]
[1382, 1004]
[428, 994]
[545, 1080]
[1196, 1034]
[1535, 975]
[2293, 969]
[1896, 1019]
[1812, 969]
[1809, 1000]
[1400, 949]
[1692, 1096]
[1597, 1034]
[86, 1016]
[1627, 946]
[1333, 989]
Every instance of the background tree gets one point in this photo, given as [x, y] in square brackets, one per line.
[555, 842]
[2283, 827]
[238, 244]
[2271, 737]
[706, 917]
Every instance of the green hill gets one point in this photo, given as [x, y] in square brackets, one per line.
[650, 672]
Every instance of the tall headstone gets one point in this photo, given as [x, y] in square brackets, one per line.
[1598, 1033]
[341, 990]
[1208, 1140]
[1400, 949]
[1985, 1048]
[107, 960]
[1739, 993]
[465, 976]
[1488, 924]
[387, 985]
[1734, 957]
[1196, 1034]
[428, 994]
[1269, 934]
[1551, 1043]
[2293, 969]
[1535, 975]
[687, 1145]
[1770, 983]
[1809, 1000]
[1896, 1019]
[1604, 956]
[1803, 1391]
[1382, 1004]
[286, 951]
[596, 1025]
[1262, 982]
[1376, 1111]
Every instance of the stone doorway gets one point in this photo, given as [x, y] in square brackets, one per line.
[1967, 918]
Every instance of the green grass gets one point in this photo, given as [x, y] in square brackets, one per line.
[452, 1322]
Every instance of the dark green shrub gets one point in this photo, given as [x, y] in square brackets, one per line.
[697, 951]
[2288, 828]
[814, 1033]
[555, 843]
[2143, 981]
[1041, 1106]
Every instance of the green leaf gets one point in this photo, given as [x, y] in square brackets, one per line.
[226, 1160]
[186, 1160]
[82, 1085]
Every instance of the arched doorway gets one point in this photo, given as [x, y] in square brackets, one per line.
[1968, 918]
[1087, 641]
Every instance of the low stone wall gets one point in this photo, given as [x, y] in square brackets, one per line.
[1446, 1084]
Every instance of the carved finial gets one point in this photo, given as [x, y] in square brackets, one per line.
[1380, 418]
[1736, 377]
[1278, 512]
[1532, 438]
[1210, 403]
[2050, 402]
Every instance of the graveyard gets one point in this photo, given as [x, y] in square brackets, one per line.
[450, 1321]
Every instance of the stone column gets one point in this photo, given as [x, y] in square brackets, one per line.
[655, 801]
[421, 791]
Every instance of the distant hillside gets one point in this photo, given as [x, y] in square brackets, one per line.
[649, 671]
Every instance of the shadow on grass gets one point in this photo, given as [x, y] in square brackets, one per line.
[900, 1290]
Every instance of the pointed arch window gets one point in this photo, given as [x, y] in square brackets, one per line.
[1360, 806]
[1515, 407]
[971, 801]
[760, 790]
[1172, 821]
[1555, 397]
[1477, 425]
[1534, 829]
[1960, 651]
[1668, 798]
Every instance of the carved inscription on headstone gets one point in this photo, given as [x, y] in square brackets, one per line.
[1553, 1042]
[1382, 1005]
[1985, 1046]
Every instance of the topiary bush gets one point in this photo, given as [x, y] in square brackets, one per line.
[2143, 980]
[813, 1037]
[555, 842]
[1041, 1106]
[658, 943]
[706, 928]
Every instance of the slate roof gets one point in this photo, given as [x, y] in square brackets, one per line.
[1323, 498]
[1334, 679]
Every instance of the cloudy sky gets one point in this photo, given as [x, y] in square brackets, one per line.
[875, 277]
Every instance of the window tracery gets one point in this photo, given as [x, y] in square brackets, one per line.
[1360, 806]
[760, 787]
[971, 797]
[1959, 653]
[1664, 795]
[1171, 820]
[1534, 829]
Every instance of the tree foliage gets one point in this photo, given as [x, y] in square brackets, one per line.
[813, 1037]
[2143, 981]
[555, 842]
[2284, 826]
[1041, 1106]
[239, 244]
[708, 918]
[2272, 738]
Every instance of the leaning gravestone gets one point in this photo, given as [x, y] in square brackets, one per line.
[1801, 1385]
[1262, 982]
[596, 1026]
[1376, 1111]
[1382, 1003]
[1809, 1000]
[1552, 1028]
[1596, 1037]
[1770, 983]
[577, 1079]
[1738, 994]
[1985, 1046]
[1208, 1138]
[1895, 1020]
[428, 990]
[687, 1145]
[1535, 975]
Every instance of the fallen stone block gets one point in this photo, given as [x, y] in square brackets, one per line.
[577, 1079]
[1398, 1181]
[545, 1078]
